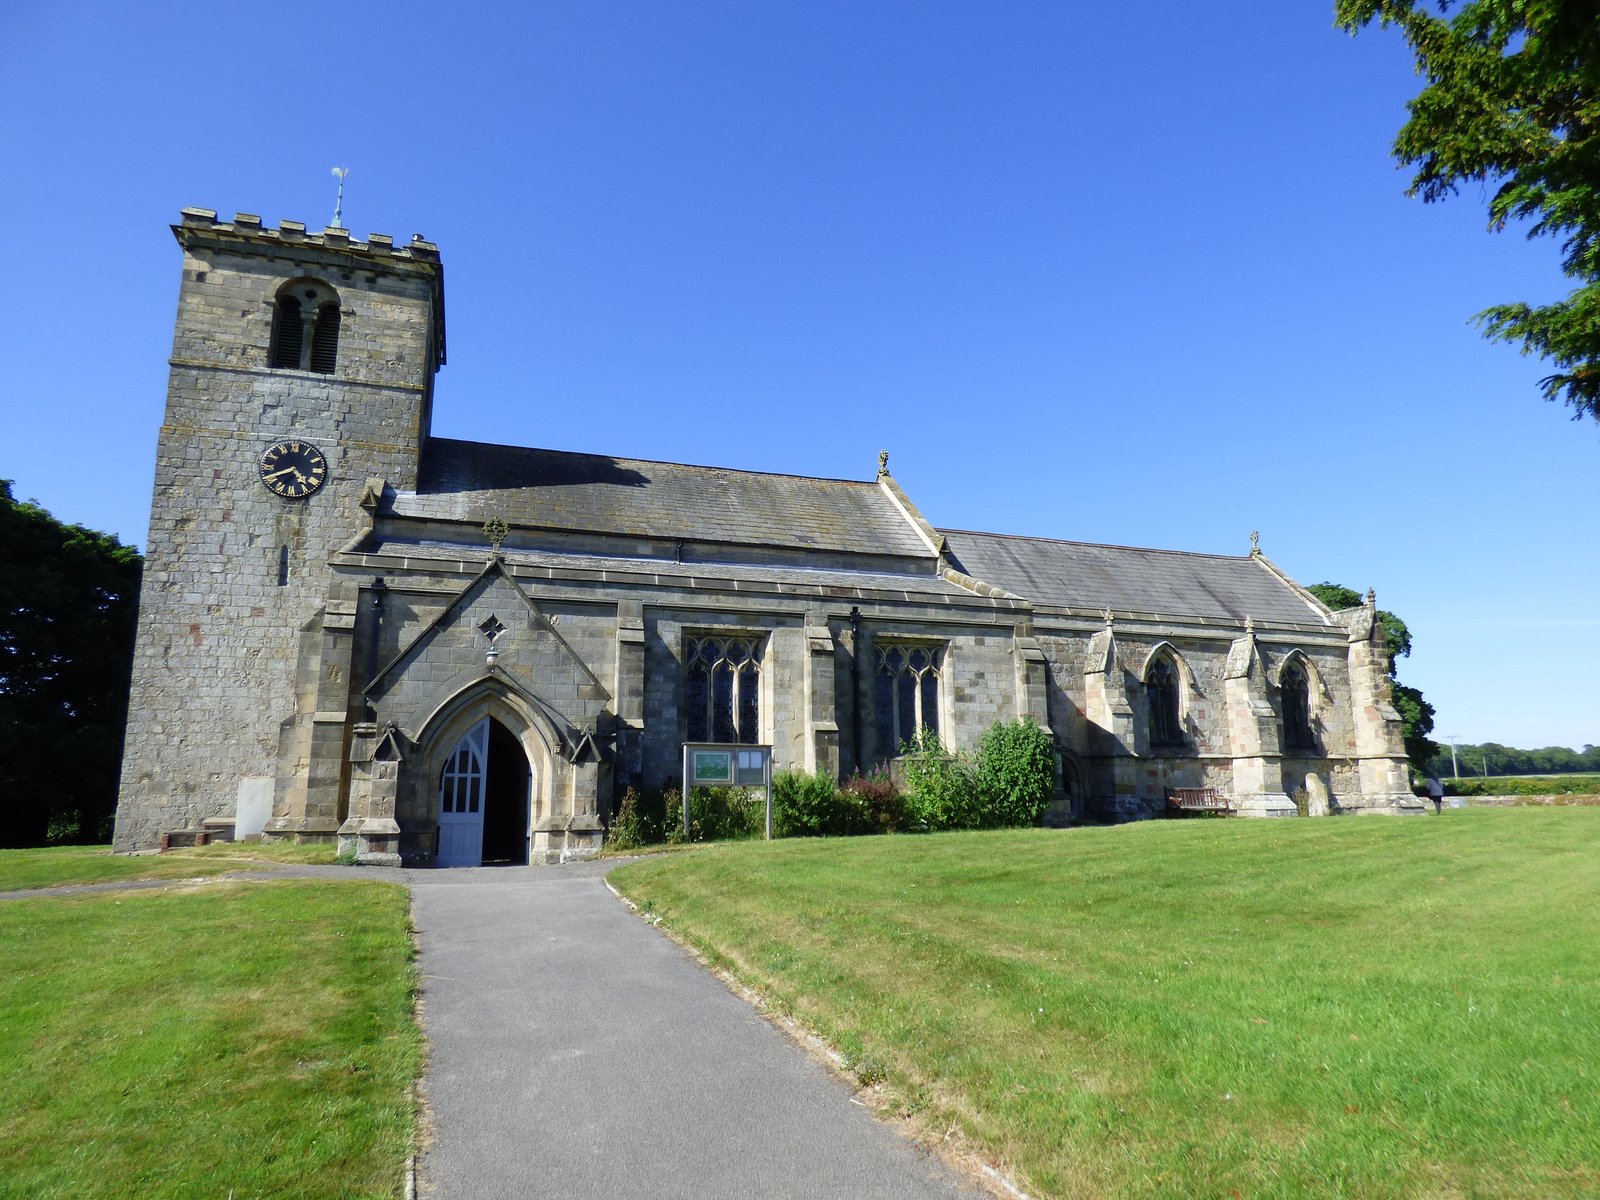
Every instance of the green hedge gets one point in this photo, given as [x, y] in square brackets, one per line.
[1530, 785]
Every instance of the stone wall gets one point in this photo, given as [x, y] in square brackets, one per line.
[233, 572]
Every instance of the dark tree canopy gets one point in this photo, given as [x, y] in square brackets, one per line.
[68, 601]
[1512, 100]
[1415, 712]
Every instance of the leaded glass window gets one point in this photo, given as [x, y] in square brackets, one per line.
[1296, 690]
[461, 782]
[906, 696]
[722, 689]
[1161, 689]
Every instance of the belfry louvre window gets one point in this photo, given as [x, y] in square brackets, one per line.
[1296, 691]
[722, 690]
[1161, 688]
[325, 339]
[305, 328]
[906, 693]
[288, 333]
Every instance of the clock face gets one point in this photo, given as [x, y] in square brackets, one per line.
[293, 469]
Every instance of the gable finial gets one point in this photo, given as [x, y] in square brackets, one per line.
[338, 202]
[883, 462]
[1109, 617]
[1255, 543]
[1372, 598]
[1249, 625]
[495, 529]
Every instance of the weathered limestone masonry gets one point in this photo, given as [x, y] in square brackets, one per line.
[452, 652]
[233, 572]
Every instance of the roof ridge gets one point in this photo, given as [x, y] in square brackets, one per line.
[659, 462]
[1026, 537]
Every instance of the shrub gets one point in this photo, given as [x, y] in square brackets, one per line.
[719, 814]
[882, 807]
[626, 831]
[646, 817]
[941, 787]
[806, 805]
[1016, 771]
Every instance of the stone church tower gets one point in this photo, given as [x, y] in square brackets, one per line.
[302, 367]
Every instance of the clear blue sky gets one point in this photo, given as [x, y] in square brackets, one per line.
[1141, 274]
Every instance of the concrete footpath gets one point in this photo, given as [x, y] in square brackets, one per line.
[576, 1052]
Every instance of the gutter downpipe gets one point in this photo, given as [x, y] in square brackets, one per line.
[855, 685]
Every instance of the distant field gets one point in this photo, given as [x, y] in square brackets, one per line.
[244, 1040]
[1355, 1006]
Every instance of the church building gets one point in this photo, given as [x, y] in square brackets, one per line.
[451, 652]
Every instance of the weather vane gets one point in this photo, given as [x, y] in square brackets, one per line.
[338, 203]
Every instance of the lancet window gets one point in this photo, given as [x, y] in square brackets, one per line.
[906, 693]
[1161, 686]
[1296, 692]
[722, 693]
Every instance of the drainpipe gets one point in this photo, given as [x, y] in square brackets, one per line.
[855, 685]
[378, 589]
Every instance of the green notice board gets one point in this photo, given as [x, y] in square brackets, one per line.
[710, 767]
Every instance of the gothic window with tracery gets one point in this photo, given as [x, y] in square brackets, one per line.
[1296, 691]
[722, 693]
[1161, 689]
[906, 693]
[305, 327]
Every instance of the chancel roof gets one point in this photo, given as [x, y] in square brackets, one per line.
[1127, 579]
[554, 489]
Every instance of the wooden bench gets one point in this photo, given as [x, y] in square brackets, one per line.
[1183, 802]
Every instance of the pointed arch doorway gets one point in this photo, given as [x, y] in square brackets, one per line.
[484, 796]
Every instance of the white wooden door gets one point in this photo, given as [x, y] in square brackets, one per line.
[461, 800]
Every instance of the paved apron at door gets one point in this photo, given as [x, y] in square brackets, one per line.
[576, 1052]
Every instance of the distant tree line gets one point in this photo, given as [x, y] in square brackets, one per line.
[69, 598]
[1491, 758]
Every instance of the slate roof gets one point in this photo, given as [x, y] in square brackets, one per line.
[473, 481]
[1126, 579]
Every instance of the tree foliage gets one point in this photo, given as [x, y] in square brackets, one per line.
[1512, 100]
[1415, 712]
[68, 602]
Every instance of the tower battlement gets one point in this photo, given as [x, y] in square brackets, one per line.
[248, 226]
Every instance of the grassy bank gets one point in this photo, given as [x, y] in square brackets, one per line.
[58, 866]
[247, 1040]
[1361, 1006]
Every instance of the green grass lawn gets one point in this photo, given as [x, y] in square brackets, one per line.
[56, 866]
[244, 1040]
[1357, 1006]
